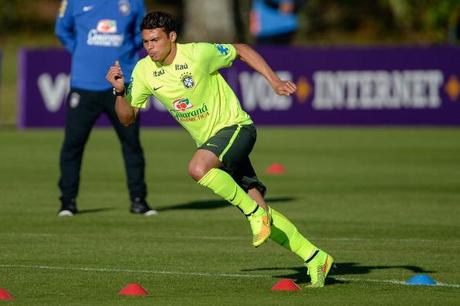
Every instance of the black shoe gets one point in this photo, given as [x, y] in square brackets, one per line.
[68, 207]
[141, 207]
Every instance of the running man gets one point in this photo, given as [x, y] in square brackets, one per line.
[185, 78]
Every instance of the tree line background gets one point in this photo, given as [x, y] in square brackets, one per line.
[325, 22]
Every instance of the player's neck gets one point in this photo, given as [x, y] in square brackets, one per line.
[172, 54]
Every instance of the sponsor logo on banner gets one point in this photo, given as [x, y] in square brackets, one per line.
[257, 93]
[452, 88]
[365, 90]
[105, 34]
[53, 92]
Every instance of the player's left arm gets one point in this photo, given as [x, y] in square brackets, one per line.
[257, 62]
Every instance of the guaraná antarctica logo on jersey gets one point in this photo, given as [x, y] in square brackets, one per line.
[105, 34]
[182, 104]
[187, 80]
[180, 113]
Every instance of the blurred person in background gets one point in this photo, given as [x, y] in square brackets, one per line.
[454, 26]
[96, 33]
[185, 78]
[274, 22]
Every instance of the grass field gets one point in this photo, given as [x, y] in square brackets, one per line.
[384, 201]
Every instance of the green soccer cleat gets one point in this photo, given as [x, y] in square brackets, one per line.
[260, 226]
[318, 268]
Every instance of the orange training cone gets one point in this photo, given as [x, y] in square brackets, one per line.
[276, 169]
[5, 295]
[286, 285]
[133, 289]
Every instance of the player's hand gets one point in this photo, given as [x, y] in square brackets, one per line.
[284, 88]
[115, 77]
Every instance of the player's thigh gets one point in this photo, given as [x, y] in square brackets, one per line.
[232, 145]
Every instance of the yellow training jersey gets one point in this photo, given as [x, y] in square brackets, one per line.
[191, 88]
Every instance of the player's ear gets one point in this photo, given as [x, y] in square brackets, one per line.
[173, 36]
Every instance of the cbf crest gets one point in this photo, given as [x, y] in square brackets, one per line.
[187, 80]
[124, 7]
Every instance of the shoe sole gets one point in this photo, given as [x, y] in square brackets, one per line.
[65, 213]
[151, 213]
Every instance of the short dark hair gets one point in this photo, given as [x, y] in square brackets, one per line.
[154, 20]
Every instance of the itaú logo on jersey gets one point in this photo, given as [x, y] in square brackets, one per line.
[182, 104]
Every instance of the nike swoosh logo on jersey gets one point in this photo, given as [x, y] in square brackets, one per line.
[212, 145]
[87, 8]
[156, 88]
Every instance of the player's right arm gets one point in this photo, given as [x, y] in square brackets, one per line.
[126, 113]
[64, 27]
[258, 63]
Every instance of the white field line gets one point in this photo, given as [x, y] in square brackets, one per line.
[228, 238]
[208, 274]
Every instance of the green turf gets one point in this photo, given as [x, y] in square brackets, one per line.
[383, 201]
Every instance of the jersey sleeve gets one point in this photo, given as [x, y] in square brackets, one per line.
[138, 93]
[138, 22]
[213, 57]
[64, 27]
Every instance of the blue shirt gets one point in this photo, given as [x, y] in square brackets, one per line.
[97, 33]
[268, 20]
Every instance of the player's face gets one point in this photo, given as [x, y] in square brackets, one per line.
[158, 44]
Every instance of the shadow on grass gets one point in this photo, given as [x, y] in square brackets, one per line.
[94, 210]
[299, 274]
[213, 204]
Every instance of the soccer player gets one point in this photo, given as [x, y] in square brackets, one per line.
[185, 79]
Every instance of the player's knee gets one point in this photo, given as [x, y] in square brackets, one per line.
[197, 171]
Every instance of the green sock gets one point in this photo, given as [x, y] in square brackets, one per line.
[286, 234]
[225, 186]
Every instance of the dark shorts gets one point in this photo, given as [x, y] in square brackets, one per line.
[232, 145]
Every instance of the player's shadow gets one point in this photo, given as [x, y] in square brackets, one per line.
[349, 268]
[94, 210]
[213, 204]
[299, 274]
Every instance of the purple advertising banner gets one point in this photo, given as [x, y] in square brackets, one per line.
[335, 86]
